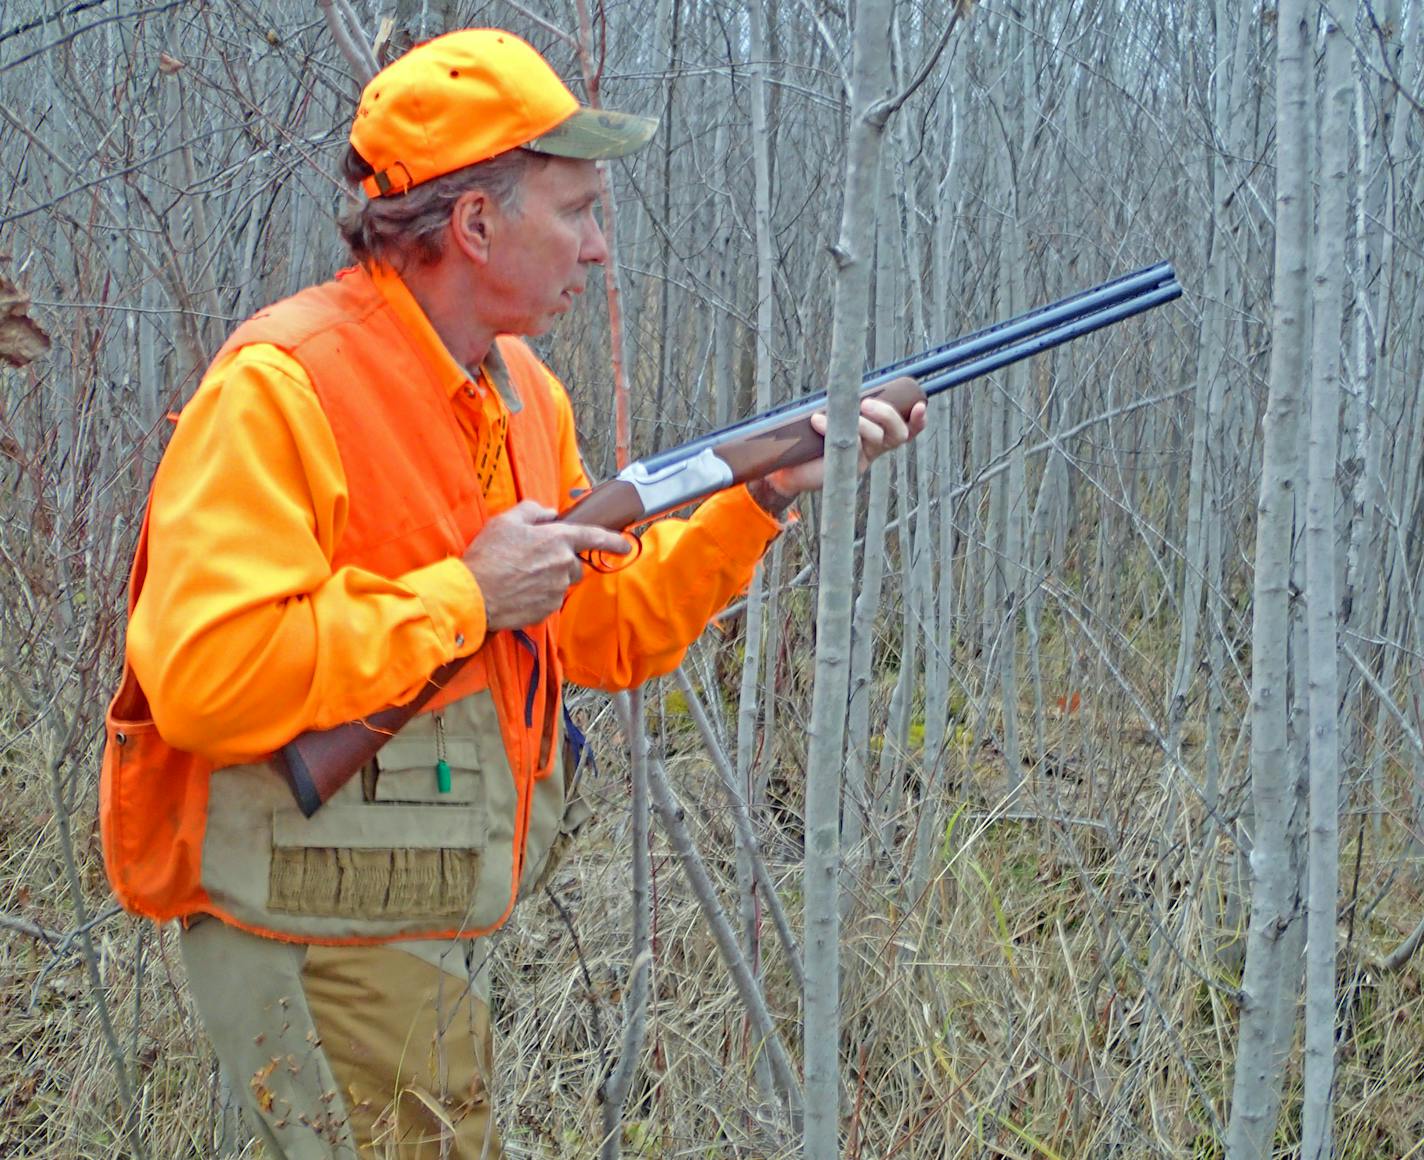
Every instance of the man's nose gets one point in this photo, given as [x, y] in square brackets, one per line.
[595, 246]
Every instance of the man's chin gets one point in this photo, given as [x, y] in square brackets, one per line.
[535, 327]
[552, 317]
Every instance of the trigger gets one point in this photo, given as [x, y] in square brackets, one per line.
[608, 563]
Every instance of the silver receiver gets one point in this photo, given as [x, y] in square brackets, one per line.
[677, 483]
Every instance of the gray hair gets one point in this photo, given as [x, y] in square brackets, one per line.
[411, 226]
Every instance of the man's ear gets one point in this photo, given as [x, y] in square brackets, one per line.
[470, 221]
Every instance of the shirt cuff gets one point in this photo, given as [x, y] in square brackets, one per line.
[455, 603]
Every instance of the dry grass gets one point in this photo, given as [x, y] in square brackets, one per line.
[1062, 990]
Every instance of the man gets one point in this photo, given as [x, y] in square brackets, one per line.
[360, 492]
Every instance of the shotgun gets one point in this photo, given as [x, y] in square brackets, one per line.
[317, 763]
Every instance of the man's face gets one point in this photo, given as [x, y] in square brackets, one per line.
[540, 248]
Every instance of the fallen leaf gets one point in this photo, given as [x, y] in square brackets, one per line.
[22, 340]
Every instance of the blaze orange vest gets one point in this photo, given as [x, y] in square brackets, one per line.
[414, 499]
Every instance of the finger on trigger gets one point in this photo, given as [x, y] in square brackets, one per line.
[586, 538]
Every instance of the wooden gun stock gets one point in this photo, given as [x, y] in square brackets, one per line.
[320, 761]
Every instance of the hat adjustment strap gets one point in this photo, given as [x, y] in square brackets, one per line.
[394, 179]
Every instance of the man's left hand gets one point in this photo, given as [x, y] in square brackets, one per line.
[882, 429]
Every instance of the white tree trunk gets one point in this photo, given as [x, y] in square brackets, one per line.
[635, 1006]
[750, 698]
[1269, 986]
[1377, 223]
[859, 792]
[1323, 860]
[869, 84]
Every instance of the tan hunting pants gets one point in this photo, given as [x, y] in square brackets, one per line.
[342, 1052]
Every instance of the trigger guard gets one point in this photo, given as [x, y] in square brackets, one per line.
[606, 563]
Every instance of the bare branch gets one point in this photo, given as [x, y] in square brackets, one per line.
[25, 927]
[346, 31]
[884, 110]
[68, 36]
[1400, 956]
[548, 26]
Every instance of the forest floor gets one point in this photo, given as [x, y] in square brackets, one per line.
[1064, 988]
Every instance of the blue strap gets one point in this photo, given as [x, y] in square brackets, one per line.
[528, 642]
[578, 747]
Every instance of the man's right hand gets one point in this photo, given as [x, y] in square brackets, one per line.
[524, 563]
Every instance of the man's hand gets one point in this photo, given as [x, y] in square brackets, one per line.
[524, 563]
[881, 430]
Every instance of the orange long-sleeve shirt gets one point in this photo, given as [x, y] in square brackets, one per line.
[244, 634]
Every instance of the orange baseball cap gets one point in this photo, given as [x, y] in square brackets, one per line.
[471, 95]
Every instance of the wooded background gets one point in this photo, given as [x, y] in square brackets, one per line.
[1058, 796]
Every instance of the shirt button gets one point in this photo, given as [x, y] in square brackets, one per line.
[470, 391]
[459, 640]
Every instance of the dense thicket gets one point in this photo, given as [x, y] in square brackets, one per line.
[1050, 805]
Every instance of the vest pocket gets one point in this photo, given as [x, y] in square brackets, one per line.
[152, 837]
[389, 855]
[405, 768]
[377, 861]
[405, 771]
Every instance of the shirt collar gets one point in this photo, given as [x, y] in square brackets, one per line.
[417, 327]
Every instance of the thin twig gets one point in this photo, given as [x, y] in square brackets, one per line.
[886, 109]
[25, 927]
[68, 36]
[568, 921]
[31, 25]
[745, 834]
[635, 1006]
[548, 26]
[1410, 733]
[674, 823]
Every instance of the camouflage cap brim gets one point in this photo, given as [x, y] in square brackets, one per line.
[596, 135]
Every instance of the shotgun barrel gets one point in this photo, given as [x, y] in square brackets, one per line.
[783, 436]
